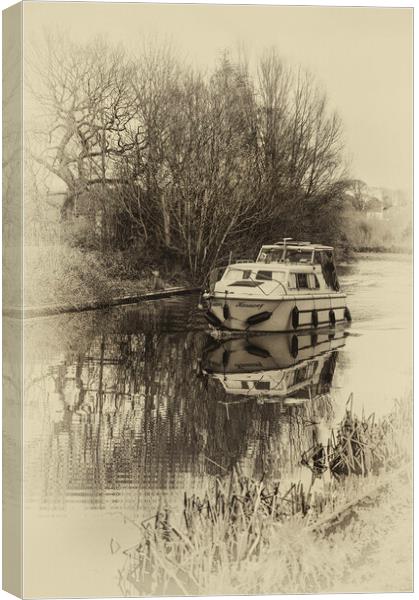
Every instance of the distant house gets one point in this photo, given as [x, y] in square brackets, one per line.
[376, 193]
[377, 203]
[374, 208]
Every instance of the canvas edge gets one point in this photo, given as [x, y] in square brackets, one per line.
[12, 338]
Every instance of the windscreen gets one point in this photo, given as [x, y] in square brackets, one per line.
[255, 276]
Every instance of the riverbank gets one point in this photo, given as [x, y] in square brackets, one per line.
[60, 279]
[244, 537]
[372, 553]
[384, 534]
[57, 309]
[382, 249]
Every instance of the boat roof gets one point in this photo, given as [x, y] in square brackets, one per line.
[272, 266]
[297, 246]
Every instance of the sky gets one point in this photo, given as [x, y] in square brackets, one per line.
[361, 56]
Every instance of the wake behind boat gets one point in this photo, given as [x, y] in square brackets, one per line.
[291, 286]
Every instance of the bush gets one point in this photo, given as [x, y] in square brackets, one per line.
[61, 274]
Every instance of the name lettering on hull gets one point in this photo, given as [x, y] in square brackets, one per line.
[248, 305]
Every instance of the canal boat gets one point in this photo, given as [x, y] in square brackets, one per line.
[291, 286]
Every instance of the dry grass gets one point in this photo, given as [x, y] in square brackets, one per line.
[63, 275]
[246, 537]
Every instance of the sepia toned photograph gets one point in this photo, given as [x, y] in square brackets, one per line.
[207, 299]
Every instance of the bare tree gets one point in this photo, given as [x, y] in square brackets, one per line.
[186, 164]
[86, 95]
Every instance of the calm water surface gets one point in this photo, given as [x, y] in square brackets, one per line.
[130, 407]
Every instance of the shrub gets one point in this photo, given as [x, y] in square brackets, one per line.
[61, 274]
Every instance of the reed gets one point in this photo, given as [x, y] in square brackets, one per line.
[247, 536]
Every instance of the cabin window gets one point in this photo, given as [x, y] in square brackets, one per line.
[292, 281]
[264, 275]
[275, 256]
[313, 282]
[298, 256]
[232, 275]
[244, 385]
[268, 255]
[240, 277]
[262, 385]
[302, 281]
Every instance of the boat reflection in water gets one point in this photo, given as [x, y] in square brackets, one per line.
[274, 368]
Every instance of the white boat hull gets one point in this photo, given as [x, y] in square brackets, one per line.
[314, 311]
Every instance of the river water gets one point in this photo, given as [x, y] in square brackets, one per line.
[126, 409]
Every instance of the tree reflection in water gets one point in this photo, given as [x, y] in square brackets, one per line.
[126, 411]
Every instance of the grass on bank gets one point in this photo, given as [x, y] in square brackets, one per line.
[248, 537]
[62, 274]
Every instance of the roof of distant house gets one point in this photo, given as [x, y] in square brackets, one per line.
[374, 205]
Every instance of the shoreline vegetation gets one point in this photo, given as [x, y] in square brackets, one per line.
[137, 163]
[381, 249]
[68, 279]
[248, 537]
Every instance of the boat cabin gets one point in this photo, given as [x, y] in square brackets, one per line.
[296, 252]
[303, 253]
[285, 288]
[297, 266]
[270, 279]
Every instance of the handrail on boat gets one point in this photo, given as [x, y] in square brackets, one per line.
[212, 281]
[274, 289]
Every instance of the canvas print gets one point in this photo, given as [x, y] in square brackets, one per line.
[207, 313]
